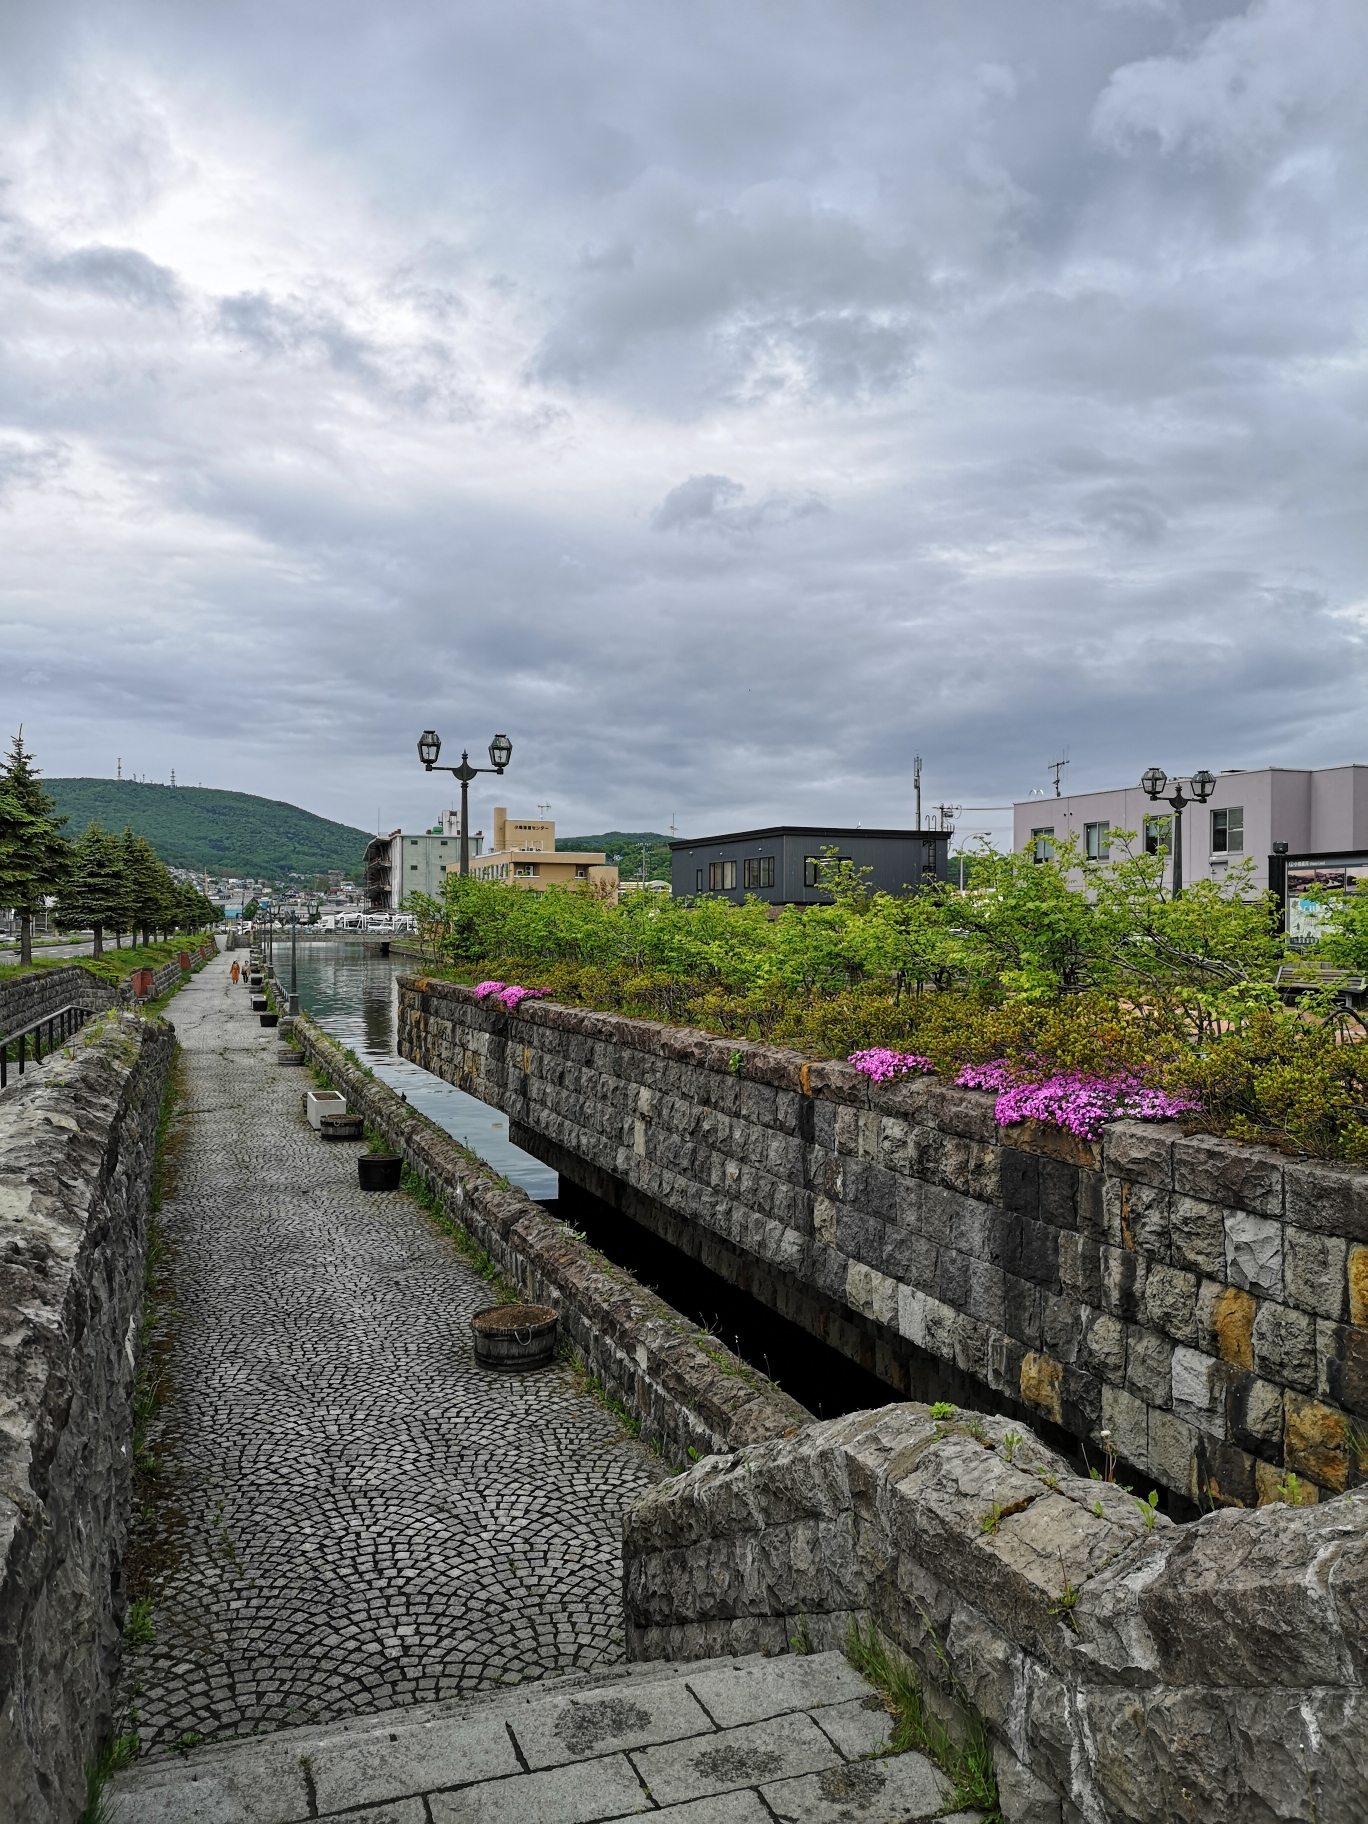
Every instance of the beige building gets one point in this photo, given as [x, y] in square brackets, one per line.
[523, 853]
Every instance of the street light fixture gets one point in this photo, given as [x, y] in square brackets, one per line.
[500, 753]
[1155, 782]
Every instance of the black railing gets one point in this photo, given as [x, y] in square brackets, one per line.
[58, 1027]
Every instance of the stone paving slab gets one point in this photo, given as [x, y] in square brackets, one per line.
[353, 1515]
[806, 1761]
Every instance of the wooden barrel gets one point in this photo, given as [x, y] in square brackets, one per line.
[514, 1336]
[340, 1127]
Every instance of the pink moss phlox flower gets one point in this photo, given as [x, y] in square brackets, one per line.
[486, 988]
[881, 1065]
[1072, 1099]
[512, 998]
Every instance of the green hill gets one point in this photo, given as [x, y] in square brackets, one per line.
[624, 848]
[225, 833]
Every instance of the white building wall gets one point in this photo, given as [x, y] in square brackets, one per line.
[1312, 811]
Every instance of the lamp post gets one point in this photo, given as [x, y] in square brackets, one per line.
[500, 753]
[1155, 782]
[294, 961]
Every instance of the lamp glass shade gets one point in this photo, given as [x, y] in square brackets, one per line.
[429, 747]
[1203, 785]
[1153, 780]
[500, 751]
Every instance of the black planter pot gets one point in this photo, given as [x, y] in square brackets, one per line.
[270, 1019]
[379, 1171]
[259, 1003]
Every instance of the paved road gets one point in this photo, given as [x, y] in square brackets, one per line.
[351, 1514]
[747, 1741]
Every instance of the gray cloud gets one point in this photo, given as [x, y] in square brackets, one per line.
[728, 402]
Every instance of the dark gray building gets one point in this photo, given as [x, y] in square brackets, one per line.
[780, 864]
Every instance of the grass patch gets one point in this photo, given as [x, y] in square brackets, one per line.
[590, 1384]
[138, 1628]
[899, 1683]
[434, 1206]
[121, 1752]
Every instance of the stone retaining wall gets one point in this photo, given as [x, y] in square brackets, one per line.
[1204, 1303]
[691, 1394]
[1123, 1668]
[25, 998]
[77, 1139]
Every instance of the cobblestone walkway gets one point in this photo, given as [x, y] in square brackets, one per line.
[351, 1515]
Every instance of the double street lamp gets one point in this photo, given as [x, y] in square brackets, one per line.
[1155, 782]
[500, 753]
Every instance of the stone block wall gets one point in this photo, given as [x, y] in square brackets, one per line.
[690, 1393]
[30, 997]
[77, 1140]
[1124, 1668]
[1203, 1303]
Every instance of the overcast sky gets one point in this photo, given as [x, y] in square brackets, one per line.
[727, 400]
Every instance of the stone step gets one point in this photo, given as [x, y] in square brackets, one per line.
[718, 1741]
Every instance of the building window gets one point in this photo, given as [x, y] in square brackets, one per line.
[1097, 841]
[1158, 834]
[413, 867]
[814, 864]
[1227, 830]
[698, 880]
[1042, 843]
[760, 871]
[525, 870]
[581, 873]
[721, 876]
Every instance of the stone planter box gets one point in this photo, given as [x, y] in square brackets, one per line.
[320, 1102]
[514, 1337]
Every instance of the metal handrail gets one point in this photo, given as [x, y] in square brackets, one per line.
[60, 1025]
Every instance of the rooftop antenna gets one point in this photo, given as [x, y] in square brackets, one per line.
[1057, 767]
[173, 775]
[672, 824]
[543, 808]
[118, 767]
[916, 784]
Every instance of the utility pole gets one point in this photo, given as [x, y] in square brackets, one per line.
[916, 785]
[1057, 767]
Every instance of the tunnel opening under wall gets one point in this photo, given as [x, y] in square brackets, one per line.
[830, 1358]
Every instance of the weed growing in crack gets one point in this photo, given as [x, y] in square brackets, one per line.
[138, 1628]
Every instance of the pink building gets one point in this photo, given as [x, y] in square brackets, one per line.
[1320, 813]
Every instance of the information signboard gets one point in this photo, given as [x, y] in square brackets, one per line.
[1313, 883]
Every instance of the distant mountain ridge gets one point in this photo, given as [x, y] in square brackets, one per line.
[222, 833]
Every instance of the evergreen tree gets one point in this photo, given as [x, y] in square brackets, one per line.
[34, 854]
[96, 891]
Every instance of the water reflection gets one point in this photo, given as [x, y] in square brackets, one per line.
[349, 989]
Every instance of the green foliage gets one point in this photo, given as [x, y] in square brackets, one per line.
[138, 1627]
[34, 854]
[916, 1724]
[623, 849]
[223, 832]
[1065, 965]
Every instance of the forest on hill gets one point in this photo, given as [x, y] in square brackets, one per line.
[219, 832]
[623, 847]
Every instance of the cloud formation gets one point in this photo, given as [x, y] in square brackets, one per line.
[726, 402]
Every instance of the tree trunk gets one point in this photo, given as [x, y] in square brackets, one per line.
[97, 946]
[25, 937]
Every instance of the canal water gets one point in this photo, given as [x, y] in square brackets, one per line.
[351, 991]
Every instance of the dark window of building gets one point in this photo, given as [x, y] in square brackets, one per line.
[760, 871]
[1158, 834]
[698, 880]
[1227, 830]
[813, 865]
[721, 876]
[1042, 843]
[1097, 841]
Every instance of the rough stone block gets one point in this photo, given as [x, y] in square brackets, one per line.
[910, 1258]
[1103, 1346]
[1042, 1384]
[1254, 1249]
[1171, 1302]
[1141, 1151]
[1314, 1271]
[1356, 1272]
[1316, 1442]
[860, 1236]
[1039, 1252]
[1019, 1179]
[987, 1293]
[1254, 1410]
[1342, 1367]
[1080, 1268]
[1225, 1322]
[1223, 1171]
[1126, 1419]
[1149, 1365]
[1123, 1282]
[1062, 1327]
[1059, 1193]
[1199, 1384]
[1285, 1346]
[1090, 1205]
[1145, 1214]
[1172, 1451]
[872, 1294]
[953, 1286]
[1225, 1474]
[1081, 1407]
[1197, 1238]
[1023, 1310]
[939, 1208]
[1332, 1199]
